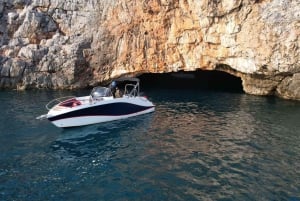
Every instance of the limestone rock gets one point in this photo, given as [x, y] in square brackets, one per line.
[76, 43]
[289, 87]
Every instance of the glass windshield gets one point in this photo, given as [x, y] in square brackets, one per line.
[101, 92]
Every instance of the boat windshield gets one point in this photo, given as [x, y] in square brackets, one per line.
[101, 92]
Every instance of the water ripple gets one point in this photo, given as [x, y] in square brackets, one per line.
[204, 146]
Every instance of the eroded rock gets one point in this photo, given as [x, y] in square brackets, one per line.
[76, 43]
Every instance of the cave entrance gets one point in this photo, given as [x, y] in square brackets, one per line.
[194, 80]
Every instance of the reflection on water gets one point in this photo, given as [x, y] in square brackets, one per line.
[197, 145]
[228, 147]
[99, 139]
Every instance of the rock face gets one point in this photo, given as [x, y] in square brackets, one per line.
[78, 43]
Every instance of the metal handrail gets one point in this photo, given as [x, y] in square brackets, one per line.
[57, 101]
[134, 91]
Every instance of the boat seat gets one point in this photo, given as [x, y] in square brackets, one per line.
[76, 103]
[70, 103]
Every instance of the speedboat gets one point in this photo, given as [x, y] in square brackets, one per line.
[121, 99]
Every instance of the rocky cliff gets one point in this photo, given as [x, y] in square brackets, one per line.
[78, 43]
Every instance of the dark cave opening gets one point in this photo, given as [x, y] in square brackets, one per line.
[195, 80]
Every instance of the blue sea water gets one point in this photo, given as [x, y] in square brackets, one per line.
[197, 145]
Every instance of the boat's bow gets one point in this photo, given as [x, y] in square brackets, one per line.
[41, 117]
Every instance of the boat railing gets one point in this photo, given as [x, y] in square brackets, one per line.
[131, 90]
[57, 101]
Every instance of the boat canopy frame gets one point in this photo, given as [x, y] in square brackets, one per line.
[131, 87]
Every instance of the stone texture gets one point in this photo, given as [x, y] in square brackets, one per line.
[289, 87]
[77, 43]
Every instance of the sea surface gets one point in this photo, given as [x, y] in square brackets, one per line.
[199, 144]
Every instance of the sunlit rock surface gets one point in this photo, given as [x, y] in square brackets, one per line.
[79, 43]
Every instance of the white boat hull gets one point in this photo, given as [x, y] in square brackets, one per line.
[87, 120]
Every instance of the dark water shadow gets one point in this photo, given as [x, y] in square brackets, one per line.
[94, 140]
